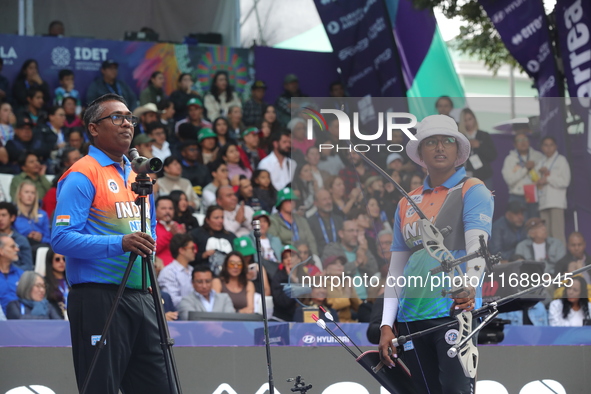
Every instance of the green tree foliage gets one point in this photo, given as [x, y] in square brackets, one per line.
[478, 37]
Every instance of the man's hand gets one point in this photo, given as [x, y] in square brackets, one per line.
[140, 243]
[36, 235]
[542, 182]
[176, 228]
[530, 164]
[43, 169]
[240, 217]
[208, 253]
[171, 316]
[36, 78]
[385, 347]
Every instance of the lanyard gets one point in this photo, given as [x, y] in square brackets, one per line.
[553, 161]
[323, 228]
[111, 88]
[521, 162]
[291, 226]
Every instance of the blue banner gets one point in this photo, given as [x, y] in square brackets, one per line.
[137, 61]
[523, 27]
[56, 333]
[573, 23]
[362, 40]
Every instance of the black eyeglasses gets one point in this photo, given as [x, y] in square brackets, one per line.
[118, 119]
[432, 143]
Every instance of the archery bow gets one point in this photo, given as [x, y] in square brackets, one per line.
[432, 239]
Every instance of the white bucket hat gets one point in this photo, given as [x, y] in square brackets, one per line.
[438, 125]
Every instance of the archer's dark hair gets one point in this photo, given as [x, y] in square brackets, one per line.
[200, 269]
[210, 210]
[51, 280]
[175, 196]
[583, 299]
[65, 73]
[22, 158]
[10, 207]
[224, 150]
[177, 242]
[163, 198]
[335, 83]
[444, 98]
[33, 90]
[154, 75]
[182, 76]
[69, 98]
[214, 91]
[225, 275]
[548, 137]
[23, 71]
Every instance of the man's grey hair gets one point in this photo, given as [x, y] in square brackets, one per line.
[294, 122]
[26, 283]
[383, 232]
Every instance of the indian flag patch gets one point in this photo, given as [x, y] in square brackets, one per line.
[62, 220]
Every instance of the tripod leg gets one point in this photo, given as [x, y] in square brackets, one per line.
[166, 341]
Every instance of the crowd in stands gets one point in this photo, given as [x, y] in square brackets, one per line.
[229, 161]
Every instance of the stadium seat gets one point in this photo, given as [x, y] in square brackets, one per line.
[200, 218]
[5, 181]
[40, 260]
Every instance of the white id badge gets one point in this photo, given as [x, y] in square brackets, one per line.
[476, 162]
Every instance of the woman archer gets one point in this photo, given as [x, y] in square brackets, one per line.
[442, 150]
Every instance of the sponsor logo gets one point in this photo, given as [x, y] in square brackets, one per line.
[95, 338]
[508, 9]
[60, 56]
[528, 31]
[579, 54]
[309, 339]
[411, 211]
[113, 186]
[408, 346]
[485, 218]
[94, 54]
[333, 27]
[451, 336]
[8, 54]
[546, 85]
[417, 199]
